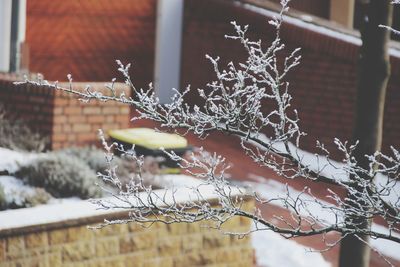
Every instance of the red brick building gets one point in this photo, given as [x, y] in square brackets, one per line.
[85, 37]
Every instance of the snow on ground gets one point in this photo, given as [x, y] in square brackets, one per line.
[177, 180]
[273, 250]
[272, 189]
[331, 168]
[268, 245]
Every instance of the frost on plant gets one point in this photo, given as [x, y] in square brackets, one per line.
[61, 175]
[235, 104]
[16, 135]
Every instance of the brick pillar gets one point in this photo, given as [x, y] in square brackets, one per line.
[76, 123]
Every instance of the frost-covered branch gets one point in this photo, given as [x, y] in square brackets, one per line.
[234, 102]
[215, 199]
[251, 101]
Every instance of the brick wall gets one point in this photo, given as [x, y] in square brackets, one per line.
[32, 104]
[61, 116]
[76, 123]
[323, 86]
[72, 244]
[85, 38]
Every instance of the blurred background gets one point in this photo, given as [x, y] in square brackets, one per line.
[166, 41]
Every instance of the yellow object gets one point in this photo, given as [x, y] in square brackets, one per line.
[170, 171]
[149, 138]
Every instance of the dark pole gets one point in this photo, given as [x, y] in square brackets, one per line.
[373, 75]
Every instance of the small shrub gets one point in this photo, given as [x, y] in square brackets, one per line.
[16, 135]
[61, 175]
[95, 159]
[14, 194]
[39, 196]
[26, 199]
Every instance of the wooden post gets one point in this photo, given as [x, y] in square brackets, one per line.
[373, 76]
[342, 12]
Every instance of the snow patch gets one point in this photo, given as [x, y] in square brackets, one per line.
[272, 189]
[176, 180]
[331, 168]
[63, 209]
[68, 209]
[11, 160]
[386, 247]
[273, 250]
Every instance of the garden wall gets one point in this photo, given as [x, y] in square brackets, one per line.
[69, 243]
[61, 116]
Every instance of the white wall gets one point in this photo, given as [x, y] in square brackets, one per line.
[22, 20]
[5, 34]
[168, 48]
[20, 37]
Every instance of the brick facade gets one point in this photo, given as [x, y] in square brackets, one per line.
[61, 116]
[72, 244]
[84, 38]
[323, 86]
